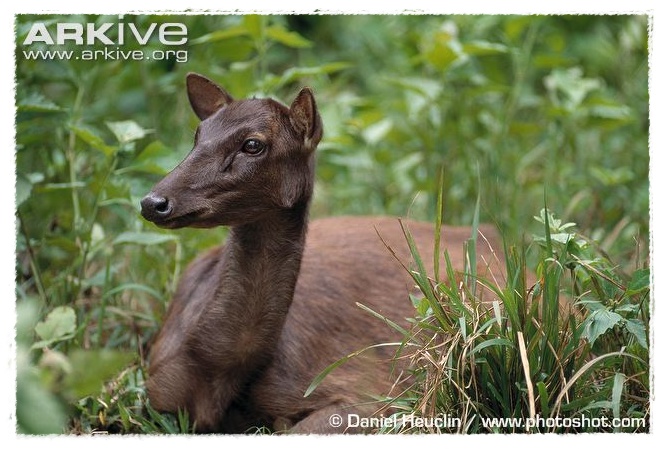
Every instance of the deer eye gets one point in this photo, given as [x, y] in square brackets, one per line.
[253, 147]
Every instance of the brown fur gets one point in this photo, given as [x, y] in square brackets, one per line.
[253, 322]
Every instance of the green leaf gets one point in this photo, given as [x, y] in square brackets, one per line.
[127, 131]
[23, 188]
[375, 133]
[288, 38]
[544, 398]
[143, 238]
[617, 390]
[220, 35]
[599, 322]
[492, 342]
[254, 24]
[572, 85]
[639, 283]
[612, 177]
[90, 369]
[38, 410]
[482, 48]
[638, 330]
[292, 74]
[442, 50]
[322, 375]
[91, 138]
[156, 158]
[36, 102]
[59, 324]
[609, 112]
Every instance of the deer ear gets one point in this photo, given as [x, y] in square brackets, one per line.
[205, 96]
[305, 118]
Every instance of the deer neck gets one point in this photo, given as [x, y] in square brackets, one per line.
[259, 271]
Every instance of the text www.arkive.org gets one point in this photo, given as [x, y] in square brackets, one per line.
[107, 54]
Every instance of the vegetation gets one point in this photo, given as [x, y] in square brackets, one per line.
[512, 110]
[529, 362]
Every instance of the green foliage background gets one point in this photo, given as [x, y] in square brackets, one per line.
[513, 109]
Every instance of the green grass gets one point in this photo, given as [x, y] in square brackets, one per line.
[523, 103]
[526, 356]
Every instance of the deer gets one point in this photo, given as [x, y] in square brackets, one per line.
[254, 321]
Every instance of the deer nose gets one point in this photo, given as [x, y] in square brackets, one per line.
[155, 207]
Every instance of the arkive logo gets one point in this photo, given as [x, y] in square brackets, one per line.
[171, 33]
[111, 41]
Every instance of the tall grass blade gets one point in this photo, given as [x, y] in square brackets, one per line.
[327, 370]
[527, 375]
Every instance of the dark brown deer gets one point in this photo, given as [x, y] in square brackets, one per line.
[253, 322]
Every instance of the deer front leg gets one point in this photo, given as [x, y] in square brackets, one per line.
[175, 386]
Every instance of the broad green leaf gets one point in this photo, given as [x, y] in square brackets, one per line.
[627, 307]
[91, 138]
[295, 73]
[640, 282]
[59, 324]
[36, 102]
[572, 84]
[23, 188]
[155, 158]
[443, 49]
[127, 131]
[599, 322]
[143, 238]
[638, 330]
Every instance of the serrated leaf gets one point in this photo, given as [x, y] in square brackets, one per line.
[143, 238]
[127, 131]
[599, 322]
[59, 324]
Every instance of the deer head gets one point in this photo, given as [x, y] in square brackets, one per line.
[250, 158]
